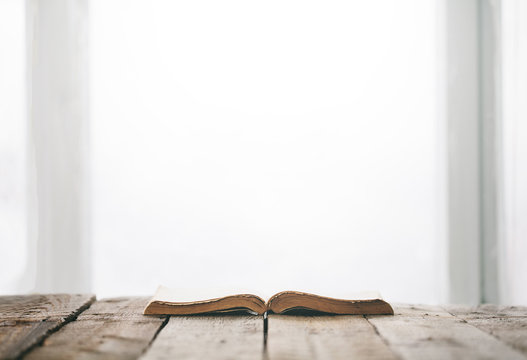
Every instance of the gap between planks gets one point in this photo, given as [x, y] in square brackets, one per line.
[383, 339]
[414, 332]
[163, 324]
[325, 336]
[51, 331]
[26, 321]
[110, 329]
[222, 336]
[419, 332]
[506, 323]
[284, 337]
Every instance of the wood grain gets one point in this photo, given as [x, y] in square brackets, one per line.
[324, 337]
[25, 321]
[68, 327]
[209, 337]
[109, 329]
[427, 332]
[507, 323]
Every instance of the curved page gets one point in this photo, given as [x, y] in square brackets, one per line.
[170, 302]
[361, 304]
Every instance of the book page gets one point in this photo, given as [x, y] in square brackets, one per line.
[166, 294]
[343, 294]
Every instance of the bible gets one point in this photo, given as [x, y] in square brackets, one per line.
[168, 302]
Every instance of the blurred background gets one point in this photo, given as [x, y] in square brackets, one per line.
[329, 146]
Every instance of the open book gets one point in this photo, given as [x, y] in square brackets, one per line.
[167, 302]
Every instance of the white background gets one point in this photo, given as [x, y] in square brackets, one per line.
[257, 145]
[268, 144]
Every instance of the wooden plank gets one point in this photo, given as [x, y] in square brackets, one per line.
[109, 329]
[427, 332]
[26, 320]
[209, 337]
[507, 323]
[324, 337]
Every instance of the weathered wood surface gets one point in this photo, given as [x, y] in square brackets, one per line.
[109, 329]
[507, 323]
[324, 337]
[209, 337]
[427, 332]
[26, 320]
[73, 327]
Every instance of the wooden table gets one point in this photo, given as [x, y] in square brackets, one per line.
[79, 327]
